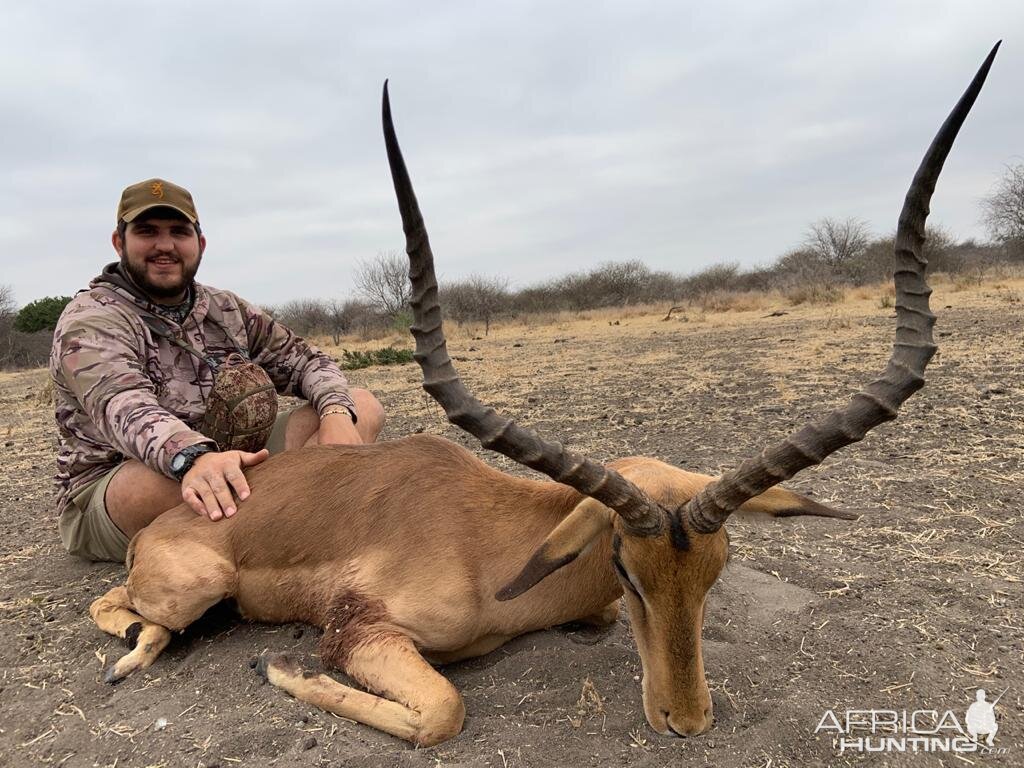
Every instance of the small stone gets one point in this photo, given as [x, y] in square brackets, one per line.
[309, 743]
[160, 724]
[517, 344]
[253, 662]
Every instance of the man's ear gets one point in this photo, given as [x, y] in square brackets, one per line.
[202, 244]
[117, 242]
[778, 502]
[562, 546]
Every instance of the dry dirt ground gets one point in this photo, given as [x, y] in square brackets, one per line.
[913, 607]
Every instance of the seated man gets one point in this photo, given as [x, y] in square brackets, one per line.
[137, 359]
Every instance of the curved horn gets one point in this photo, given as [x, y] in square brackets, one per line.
[903, 376]
[494, 431]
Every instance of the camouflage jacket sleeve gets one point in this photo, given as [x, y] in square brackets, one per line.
[99, 353]
[296, 367]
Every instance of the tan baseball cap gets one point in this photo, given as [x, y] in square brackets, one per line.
[155, 193]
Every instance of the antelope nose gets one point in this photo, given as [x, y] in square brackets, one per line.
[690, 725]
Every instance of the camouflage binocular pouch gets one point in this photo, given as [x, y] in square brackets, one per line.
[242, 405]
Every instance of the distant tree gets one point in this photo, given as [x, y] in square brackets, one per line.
[836, 242]
[875, 263]
[476, 299]
[344, 317]
[41, 314]
[304, 316]
[1003, 210]
[7, 306]
[20, 349]
[717, 277]
[384, 282]
[618, 283]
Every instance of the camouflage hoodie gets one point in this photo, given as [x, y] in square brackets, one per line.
[123, 392]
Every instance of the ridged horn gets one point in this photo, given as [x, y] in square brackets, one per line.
[440, 379]
[880, 400]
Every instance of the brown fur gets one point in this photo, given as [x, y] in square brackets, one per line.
[398, 550]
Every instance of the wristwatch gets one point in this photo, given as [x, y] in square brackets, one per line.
[183, 460]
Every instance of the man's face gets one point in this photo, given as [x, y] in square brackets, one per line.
[162, 256]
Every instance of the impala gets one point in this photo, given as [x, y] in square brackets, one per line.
[414, 552]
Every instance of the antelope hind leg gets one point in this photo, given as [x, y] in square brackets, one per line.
[115, 615]
[416, 703]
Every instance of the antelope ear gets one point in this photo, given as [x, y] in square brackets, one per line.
[778, 502]
[561, 547]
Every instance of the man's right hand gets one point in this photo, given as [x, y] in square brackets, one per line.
[207, 487]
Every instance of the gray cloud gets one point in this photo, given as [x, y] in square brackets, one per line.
[542, 137]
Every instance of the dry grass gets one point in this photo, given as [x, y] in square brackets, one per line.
[915, 605]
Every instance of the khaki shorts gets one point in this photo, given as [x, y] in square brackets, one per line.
[86, 529]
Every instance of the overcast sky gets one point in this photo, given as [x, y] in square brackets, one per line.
[542, 137]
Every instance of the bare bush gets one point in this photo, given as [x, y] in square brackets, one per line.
[714, 279]
[875, 263]
[476, 299]
[814, 293]
[18, 349]
[384, 282]
[538, 299]
[304, 316]
[800, 267]
[837, 242]
[7, 306]
[1003, 210]
[612, 284]
[22, 350]
[353, 317]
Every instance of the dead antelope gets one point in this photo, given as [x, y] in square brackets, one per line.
[412, 552]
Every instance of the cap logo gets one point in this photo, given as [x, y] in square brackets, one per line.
[157, 189]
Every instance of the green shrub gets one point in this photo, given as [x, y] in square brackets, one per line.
[384, 356]
[41, 314]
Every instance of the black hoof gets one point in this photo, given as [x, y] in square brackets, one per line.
[110, 676]
[261, 667]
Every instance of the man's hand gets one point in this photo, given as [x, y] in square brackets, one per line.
[208, 485]
[336, 428]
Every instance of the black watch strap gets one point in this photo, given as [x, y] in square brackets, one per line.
[183, 460]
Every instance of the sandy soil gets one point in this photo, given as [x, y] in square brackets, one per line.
[912, 607]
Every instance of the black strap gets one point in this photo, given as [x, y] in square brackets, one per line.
[159, 327]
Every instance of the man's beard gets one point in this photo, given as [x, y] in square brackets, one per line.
[138, 276]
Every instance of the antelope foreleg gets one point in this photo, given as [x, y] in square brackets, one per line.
[417, 703]
[114, 614]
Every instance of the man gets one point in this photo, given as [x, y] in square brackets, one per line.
[137, 359]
